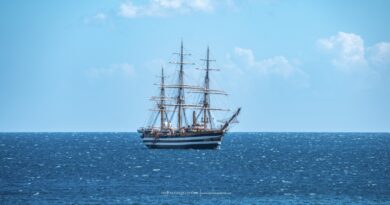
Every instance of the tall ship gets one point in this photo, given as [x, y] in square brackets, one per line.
[169, 127]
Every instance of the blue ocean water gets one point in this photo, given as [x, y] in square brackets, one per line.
[249, 168]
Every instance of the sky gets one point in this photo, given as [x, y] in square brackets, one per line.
[90, 65]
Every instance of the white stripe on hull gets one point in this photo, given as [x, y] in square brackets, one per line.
[180, 138]
[182, 143]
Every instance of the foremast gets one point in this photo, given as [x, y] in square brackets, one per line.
[206, 96]
[206, 104]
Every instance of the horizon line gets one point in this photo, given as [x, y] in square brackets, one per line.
[387, 132]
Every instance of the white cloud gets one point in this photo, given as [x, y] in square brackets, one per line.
[97, 18]
[246, 54]
[201, 5]
[277, 65]
[347, 49]
[114, 70]
[100, 16]
[164, 7]
[128, 10]
[173, 4]
[379, 54]
[349, 52]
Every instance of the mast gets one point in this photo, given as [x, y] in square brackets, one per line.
[162, 99]
[206, 97]
[178, 101]
[180, 86]
[180, 96]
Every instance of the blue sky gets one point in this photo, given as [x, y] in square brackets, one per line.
[291, 65]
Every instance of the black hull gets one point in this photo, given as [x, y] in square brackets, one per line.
[206, 146]
[195, 141]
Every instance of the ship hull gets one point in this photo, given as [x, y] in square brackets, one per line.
[200, 141]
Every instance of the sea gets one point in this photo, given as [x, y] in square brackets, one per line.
[248, 168]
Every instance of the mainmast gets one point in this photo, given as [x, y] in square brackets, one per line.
[180, 96]
[162, 99]
[180, 100]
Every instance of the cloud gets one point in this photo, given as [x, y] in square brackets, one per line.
[277, 65]
[128, 10]
[114, 70]
[201, 5]
[100, 16]
[347, 49]
[379, 54]
[164, 7]
[350, 54]
[97, 18]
